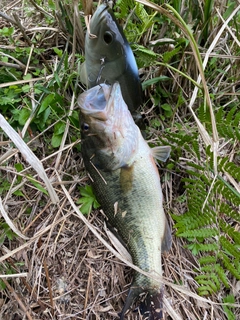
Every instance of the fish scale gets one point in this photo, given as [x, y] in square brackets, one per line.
[136, 234]
[127, 185]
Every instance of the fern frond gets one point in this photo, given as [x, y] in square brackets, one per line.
[207, 260]
[230, 266]
[228, 210]
[232, 169]
[168, 55]
[222, 187]
[235, 235]
[222, 275]
[199, 233]
[145, 57]
[229, 313]
[229, 247]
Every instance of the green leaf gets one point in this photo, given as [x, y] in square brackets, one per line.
[167, 109]
[46, 102]
[56, 140]
[152, 81]
[229, 299]
[56, 77]
[88, 200]
[23, 116]
[59, 128]
[2, 284]
[51, 5]
[229, 9]
[27, 76]
[58, 52]
[18, 193]
[37, 184]
[7, 31]
[19, 168]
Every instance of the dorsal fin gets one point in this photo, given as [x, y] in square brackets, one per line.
[161, 153]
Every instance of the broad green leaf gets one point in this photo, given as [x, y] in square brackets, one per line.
[46, 102]
[56, 140]
[59, 128]
[23, 116]
[88, 199]
[152, 81]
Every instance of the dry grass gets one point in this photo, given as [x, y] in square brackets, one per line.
[64, 270]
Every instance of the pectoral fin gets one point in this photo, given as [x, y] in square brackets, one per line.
[167, 238]
[161, 153]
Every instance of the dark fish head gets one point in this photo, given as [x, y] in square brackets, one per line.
[105, 42]
[109, 57]
[107, 126]
[107, 50]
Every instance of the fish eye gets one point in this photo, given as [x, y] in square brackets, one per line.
[108, 37]
[85, 127]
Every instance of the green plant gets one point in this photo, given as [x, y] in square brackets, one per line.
[5, 232]
[228, 310]
[88, 200]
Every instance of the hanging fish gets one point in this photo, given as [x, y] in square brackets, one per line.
[127, 185]
[109, 57]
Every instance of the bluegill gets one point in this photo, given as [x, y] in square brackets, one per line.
[109, 57]
[127, 185]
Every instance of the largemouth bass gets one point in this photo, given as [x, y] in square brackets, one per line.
[109, 57]
[127, 185]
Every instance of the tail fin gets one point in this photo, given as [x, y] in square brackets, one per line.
[150, 305]
[133, 294]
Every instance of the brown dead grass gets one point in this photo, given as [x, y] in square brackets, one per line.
[67, 273]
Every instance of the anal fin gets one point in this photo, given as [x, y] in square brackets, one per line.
[167, 238]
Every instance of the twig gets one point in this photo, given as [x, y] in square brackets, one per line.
[20, 26]
[4, 213]
[178, 288]
[11, 65]
[49, 286]
[19, 301]
[31, 290]
[29, 156]
[16, 275]
[59, 156]
[6, 17]
[36, 236]
[41, 9]
[13, 83]
[87, 293]
[14, 59]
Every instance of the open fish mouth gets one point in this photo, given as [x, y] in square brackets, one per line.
[99, 102]
[94, 102]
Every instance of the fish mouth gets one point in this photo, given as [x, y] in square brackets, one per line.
[99, 101]
[98, 17]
